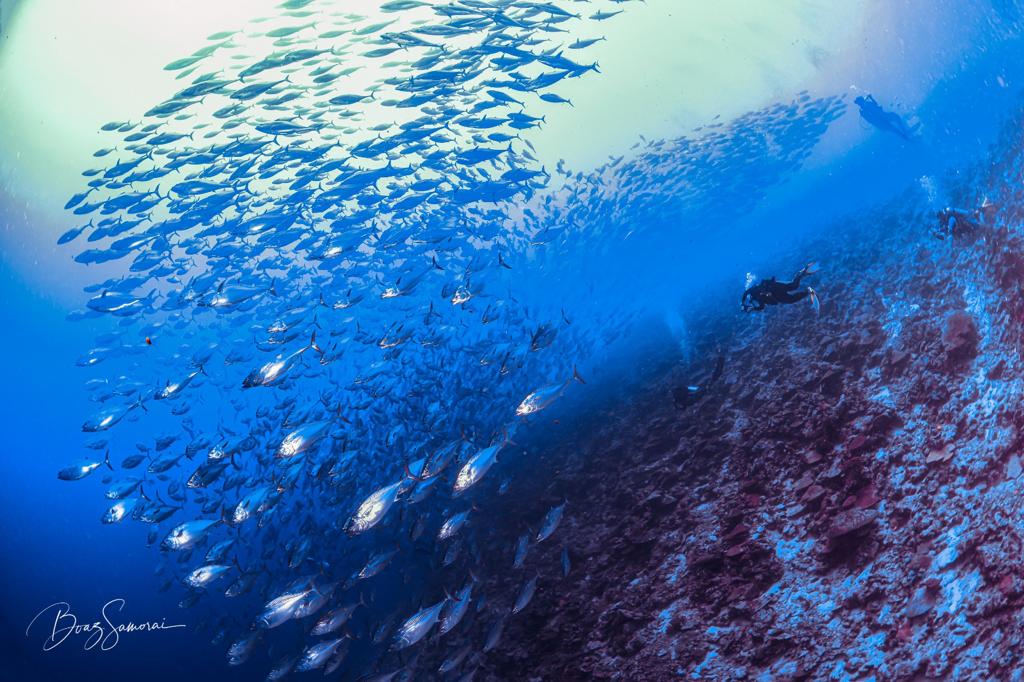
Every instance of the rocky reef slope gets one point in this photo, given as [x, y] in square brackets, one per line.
[846, 503]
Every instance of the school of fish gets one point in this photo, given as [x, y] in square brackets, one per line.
[324, 329]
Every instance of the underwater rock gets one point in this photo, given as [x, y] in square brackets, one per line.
[1013, 467]
[658, 502]
[998, 371]
[922, 602]
[960, 337]
[941, 454]
[850, 521]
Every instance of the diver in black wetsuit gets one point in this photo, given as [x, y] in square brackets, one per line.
[872, 112]
[773, 292]
[687, 395]
[957, 222]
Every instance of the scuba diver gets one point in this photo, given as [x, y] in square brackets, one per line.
[687, 395]
[958, 222]
[773, 292]
[872, 112]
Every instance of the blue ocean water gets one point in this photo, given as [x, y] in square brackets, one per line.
[468, 276]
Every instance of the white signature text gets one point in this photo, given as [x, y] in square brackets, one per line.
[104, 633]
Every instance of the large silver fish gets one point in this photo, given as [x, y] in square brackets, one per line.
[457, 607]
[543, 397]
[373, 509]
[417, 626]
[188, 534]
[316, 655]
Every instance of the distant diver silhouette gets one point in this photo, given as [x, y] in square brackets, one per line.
[685, 396]
[872, 112]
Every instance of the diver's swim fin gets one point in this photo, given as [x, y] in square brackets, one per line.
[814, 300]
[811, 268]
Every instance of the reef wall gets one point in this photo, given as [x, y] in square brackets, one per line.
[846, 502]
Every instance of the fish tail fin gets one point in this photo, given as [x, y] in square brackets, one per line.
[576, 375]
[142, 494]
[321, 301]
[434, 263]
[139, 403]
[312, 343]
[106, 460]
[502, 263]
[273, 287]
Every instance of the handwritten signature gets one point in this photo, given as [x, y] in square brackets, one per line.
[105, 634]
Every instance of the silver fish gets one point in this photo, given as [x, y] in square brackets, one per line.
[119, 510]
[475, 469]
[550, 523]
[79, 471]
[417, 626]
[452, 525]
[280, 609]
[543, 397]
[525, 595]
[494, 634]
[188, 534]
[373, 509]
[522, 548]
[457, 608]
[173, 390]
[334, 619]
[273, 372]
[204, 575]
[316, 655]
[302, 439]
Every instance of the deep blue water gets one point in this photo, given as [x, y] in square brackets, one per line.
[612, 259]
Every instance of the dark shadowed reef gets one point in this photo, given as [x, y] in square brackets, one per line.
[845, 502]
